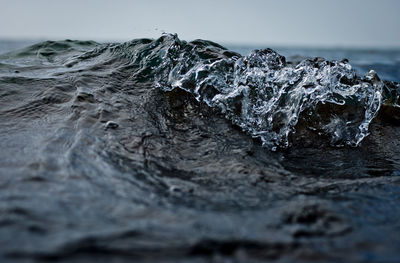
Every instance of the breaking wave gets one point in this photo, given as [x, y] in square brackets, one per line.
[267, 96]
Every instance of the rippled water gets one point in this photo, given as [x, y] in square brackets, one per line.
[164, 150]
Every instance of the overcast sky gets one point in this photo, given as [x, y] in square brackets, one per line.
[362, 23]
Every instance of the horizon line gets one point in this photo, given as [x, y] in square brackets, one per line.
[247, 44]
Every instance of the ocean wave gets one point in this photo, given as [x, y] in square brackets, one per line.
[267, 96]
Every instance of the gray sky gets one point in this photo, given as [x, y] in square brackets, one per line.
[362, 23]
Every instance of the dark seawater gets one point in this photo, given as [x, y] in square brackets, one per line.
[168, 151]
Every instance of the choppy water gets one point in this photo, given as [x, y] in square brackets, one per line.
[164, 150]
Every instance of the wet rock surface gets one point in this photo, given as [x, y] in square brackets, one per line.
[97, 163]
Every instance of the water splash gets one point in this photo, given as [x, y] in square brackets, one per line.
[266, 96]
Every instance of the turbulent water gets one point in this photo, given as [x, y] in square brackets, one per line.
[173, 151]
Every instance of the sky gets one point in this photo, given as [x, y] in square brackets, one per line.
[323, 23]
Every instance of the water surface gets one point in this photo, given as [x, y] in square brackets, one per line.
[169, 151]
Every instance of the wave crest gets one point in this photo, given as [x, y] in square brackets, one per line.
[267, 96]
